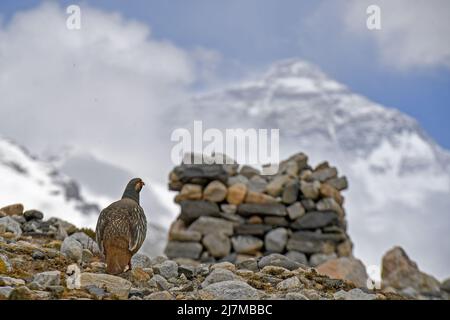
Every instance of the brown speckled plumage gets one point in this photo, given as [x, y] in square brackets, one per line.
[121, 229]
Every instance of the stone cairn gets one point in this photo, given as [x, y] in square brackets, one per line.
[232, 213]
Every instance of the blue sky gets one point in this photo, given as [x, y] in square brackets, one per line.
[250, 35]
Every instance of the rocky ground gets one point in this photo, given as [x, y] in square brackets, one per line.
[53, 259]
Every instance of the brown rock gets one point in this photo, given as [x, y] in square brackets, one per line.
[215, 191]
[259, 198]
[255, 220]
[237, 193]
[13, 209]
[189, 192]
[349, 269]
[399, 272]
[327, 191]
[275, 187]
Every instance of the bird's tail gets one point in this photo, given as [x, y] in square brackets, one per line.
[118, 256]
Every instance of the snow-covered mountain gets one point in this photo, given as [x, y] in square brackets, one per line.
[399, 177]
[47, 185]
[38, 185]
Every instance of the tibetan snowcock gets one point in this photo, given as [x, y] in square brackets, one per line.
[121, 229]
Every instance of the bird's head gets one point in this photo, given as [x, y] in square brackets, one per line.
[137, 184]
[133, 188]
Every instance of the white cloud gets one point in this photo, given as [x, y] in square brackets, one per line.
[413, 34]
[101, 87]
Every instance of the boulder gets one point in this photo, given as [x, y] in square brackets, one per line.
[231, 290]
[112, 284]
[168, 269]
[33, 215]
[400, 272]
[295, 211]
[219, 275]
[350, 269]
[217, 244]
[249, 172]
[189, 192]
[271, 209]
[275, 187]
[215, 191]
[11, 225]
[290, 192]
[205, 225]
[236, 193]
[275, 240]
[178, 232]
[191, 210]
[297, 257]
[48, 278]
[13, 209]
[257, 184]
[315, 220]
[278, 260]
[259, 198]
[247, 244]
[310, 190]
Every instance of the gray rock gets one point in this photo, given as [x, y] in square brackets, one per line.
[354, 294]
[188, 271]
[319, 258]
[324, 174]
[13, 282]
[140, 260]
[168, 269]
[113, 284]
[48, 278]
[86, 242]
[297, 257]
[251, 229]
[161, 295]
[310, 242]
[98, 293]
[338, 183]
[72, 249]
[193, 209]
[11, 225]
[271, 209]
[315, 220]
[295, 296]
[310, 190]
[247, 244]
[232, 290]
[275, 187]
[308, 204]
[257, 184]
[278, 260]
[218, 275]
[33, 215]
[5, 264]
[295, 211]
[289, 284]
[200, 173]
[176, 249]
[276, 221]
[158, 259]
[158, 281]
[275, 240]
[19, 219]
[248, 264]
[86, 255]
[249, 172]
[228, 208]
[5, 292]
[290, 192]
[217, 244]
[237, 179]
[206, 225]
[329, 204]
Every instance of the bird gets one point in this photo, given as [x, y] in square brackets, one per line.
[121, 229]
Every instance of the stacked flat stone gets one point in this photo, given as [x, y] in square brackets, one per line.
[232, 213]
